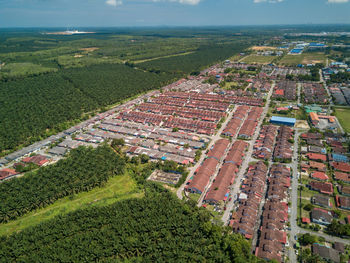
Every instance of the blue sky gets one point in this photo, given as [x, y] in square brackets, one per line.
[80, 13]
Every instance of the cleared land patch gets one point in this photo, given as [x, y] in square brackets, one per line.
[305, 58]
[261, 48]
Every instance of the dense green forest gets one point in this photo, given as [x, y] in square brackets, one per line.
[82, 170]
[156, 228]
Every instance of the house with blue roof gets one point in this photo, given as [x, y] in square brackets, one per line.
[340, 158]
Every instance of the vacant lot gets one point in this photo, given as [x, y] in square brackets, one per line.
[305, 58]
[116, 189]
[343, 115]
[252, 59]
[260, 48]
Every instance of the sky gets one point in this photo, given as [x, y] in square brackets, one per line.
[122, 13]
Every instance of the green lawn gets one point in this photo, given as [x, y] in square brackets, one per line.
[194, 197]
[252, 59]
[305, 58]
[116, 189]
[343, 115]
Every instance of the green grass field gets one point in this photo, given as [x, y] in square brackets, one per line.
[255, 59]
[73, 61]
[305, 58]
[116, 189]
[343, 115]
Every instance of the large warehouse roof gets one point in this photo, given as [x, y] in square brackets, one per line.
[283, 119]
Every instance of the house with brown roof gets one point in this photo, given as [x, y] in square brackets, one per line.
[324, 188]
[344, 190]
[340, 176]
[220, 188]
[343, 202]
[202, 176]
[269, 250]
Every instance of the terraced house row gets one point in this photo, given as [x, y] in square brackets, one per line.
[264, 145]
[244, 219]
[219, 190]
[208, 167]
[273, 229]
[248, 128]
[234, 124]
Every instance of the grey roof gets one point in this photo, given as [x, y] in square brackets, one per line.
[326, 253]
[321, 200]
[58, 150]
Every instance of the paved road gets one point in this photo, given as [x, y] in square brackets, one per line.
[248, 158]
[195, 167]
[298, 93]
[294, 199]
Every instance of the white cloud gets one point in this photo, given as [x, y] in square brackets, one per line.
[338, 1]
[185, 2]
[189, 2]
[268, 1]
[114, 3]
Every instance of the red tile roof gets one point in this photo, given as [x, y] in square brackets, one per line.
[319, 176]
[317, 156]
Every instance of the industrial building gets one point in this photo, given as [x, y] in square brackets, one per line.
[283, 121]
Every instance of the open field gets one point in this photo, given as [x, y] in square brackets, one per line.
[252, 59]
[343, 115]
[23, 69]
[305, 58]
[116, 189]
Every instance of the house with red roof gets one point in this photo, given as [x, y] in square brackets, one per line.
[305, 220]
[36, 159]
[340, 176]
[317, 157]
[320, 176]
[7, 172]
[344, 167]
